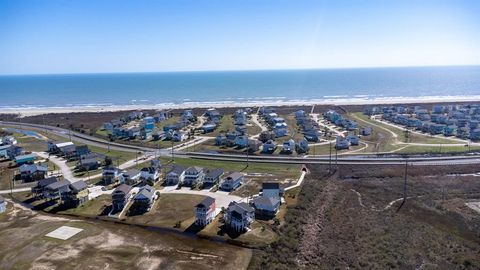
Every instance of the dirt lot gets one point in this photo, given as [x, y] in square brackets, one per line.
[102, 245]
[353, 219]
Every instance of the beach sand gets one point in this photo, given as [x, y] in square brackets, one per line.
[32, 111]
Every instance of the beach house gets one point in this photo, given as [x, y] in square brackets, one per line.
[265, 207]
[269, 147]
[232, 181]
[353, 139]
[150, 174]
[143, 200]
[130, 177]
[212, 177]
[342, 143]
[205, 212]
[39, 188]
[302, 146]
[33, 172]
[288, 147]
[193, 175]
[241, 141]
[175, 175]
[239, 216]
[23, 159]
[120, 197]
[110, 174]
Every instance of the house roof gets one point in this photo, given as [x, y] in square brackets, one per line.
[32, 155]
[177, 170]
[194, 169]
[59, 184]
[88, 161]
[207, 202]
[270, 186]
[145, 192]
[149, 169]
[123, 188]
[234, 176]
[131, 172]
[239, 208]
[214, 173]
[60, 145]
[47, 181]
[261, 200]
[33, 167]
[79, 185]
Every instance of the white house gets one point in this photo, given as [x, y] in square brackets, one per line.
[130, 177]
[150, 174]
[232, 181]
[193, 175]
[175, 175]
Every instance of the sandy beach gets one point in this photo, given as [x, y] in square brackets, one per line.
[31, 111]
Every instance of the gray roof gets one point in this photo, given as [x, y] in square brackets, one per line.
[47, 181]
[214, 173]
[59, 184]
[177, 170]
[194, 169]
[123, 188]
[88, 161]
[234, 176]
[207, 202]
[265, 201]
[131, 172]
[79, 185]
[240, 208]
[146, 191]
[270, 186]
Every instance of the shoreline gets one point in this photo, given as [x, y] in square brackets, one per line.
[32, 111]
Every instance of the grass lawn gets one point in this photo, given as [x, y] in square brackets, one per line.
[226, 124]
[292, 126]
[254, 167]
[414, 138]
[121, 156]
[92, 208]
[168, 210]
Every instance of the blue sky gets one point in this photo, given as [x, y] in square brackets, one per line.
[83, 36]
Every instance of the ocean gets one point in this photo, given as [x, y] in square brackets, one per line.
[240, 87]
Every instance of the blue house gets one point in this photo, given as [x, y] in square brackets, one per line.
[353, 139]
[437, 129]
[366, 131]
[280, 130]
[241, 141]
[312, 135]
[22, 159]
[475, 134]
[288, 146]
[302, 146]
[209, 127]
[148, 123]
[450, 130]
[220, 140]
[269, 147]
[342, 143]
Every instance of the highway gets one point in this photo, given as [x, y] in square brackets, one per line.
[166, 152]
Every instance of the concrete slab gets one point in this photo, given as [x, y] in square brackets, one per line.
[64, 232]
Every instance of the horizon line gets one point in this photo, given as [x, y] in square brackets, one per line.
[234, 70]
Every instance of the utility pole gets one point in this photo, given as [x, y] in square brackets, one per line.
[405, 181]
[173, 158]
[330, 159]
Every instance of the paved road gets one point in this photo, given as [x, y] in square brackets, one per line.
[352, 159]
